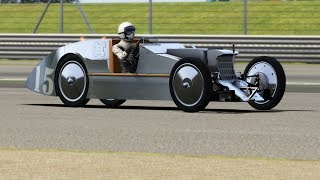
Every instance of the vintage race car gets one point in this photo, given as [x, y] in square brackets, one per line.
[191, 77]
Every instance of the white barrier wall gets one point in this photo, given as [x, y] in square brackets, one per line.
[284, 48]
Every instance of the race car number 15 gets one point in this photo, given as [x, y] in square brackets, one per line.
[47, 87]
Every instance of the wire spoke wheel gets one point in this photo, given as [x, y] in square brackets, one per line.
[269, 74]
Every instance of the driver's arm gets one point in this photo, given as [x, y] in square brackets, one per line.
[119, 52]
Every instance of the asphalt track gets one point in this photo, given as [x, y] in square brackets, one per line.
[291, 130]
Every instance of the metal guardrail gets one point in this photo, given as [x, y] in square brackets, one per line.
[284, 48]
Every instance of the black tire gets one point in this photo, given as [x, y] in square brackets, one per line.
[278, 91]
[112, 103]
[71, 89]
[178, 88]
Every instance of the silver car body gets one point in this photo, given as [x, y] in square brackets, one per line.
[151, 81]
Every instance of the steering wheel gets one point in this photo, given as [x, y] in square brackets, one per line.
[136, 52]
[140, 40]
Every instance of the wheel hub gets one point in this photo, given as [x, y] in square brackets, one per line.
[262, 79]
[186, 83]
[71, 80]
[267, 77]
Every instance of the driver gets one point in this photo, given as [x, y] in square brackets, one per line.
[125, 50]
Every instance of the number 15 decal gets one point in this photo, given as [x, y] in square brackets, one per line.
[48, 85]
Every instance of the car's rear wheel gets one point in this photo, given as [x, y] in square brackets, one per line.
[190, 85]
[269, 74]
[71, 81]
[112, 103]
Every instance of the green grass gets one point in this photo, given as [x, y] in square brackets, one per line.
[264, 18]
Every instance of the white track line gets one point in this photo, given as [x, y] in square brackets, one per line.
[303, 84]
[13, 79]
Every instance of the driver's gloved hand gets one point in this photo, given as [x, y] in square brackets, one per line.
[126, 50]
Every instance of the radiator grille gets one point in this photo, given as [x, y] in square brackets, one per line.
[226, 67]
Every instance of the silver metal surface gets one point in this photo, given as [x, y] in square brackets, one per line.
[236, 86]
[41, 79]
[267, 76]
[94, 53]
[161, 48]
[188, 81]
[149, 62]
[72, 81]
[188, 84]
[142, 88]
[97, 49]
[198, 53]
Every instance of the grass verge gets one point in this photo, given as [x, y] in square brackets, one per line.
[264, 17]
[55, 164]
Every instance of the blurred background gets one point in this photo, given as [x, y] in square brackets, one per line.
[285, 29]
[205, 17]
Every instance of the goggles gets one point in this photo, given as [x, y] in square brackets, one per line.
[129, 30]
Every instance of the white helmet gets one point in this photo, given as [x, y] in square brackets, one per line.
[126, 31]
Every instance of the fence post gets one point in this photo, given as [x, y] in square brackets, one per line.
[41, 17]
[84, 16]
[245, 17]
[61, 16]
[150, 16]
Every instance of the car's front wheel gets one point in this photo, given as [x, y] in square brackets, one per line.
[71, 81]
[268, 73]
